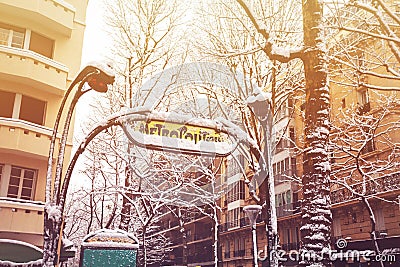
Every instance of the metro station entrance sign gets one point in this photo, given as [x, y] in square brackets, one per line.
[180, 134]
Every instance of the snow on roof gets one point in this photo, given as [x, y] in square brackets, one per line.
[37, 205]
[111, 238]
[38, 262]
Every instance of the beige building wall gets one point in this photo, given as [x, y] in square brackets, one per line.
[40, 54]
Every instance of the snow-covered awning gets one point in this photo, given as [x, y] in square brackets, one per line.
[16, 251]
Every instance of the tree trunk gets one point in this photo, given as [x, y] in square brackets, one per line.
[373, 228]
[144, 263]
[126, 205]
[215, 218]
[316, 212]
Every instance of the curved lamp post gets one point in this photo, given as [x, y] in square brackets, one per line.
[262, 108]
[252, 212]
[98, 76]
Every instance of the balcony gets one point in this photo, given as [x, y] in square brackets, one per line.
[175, 241]
[239, 253]
[202, 236]
[376, 186]
[24, 136]
[288, 209]
[283, 176]
[55, 14]
[200, 258]
[32, 69]
[16, 212]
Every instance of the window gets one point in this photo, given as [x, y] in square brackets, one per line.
[363, 101]
[283, 198]
[30, 109]
[21, 183]
[234, 217]
[11, 36]
[227, 249]
[284, 169]
[380, 220]
[41, 45]
[286, 236]
[15, 37]
[239, 247]
[362, 95]
[235, 191]
[296, 236]
[337, 231]
[292, 137]
[235, 166]
[293, 165]
[7, 100]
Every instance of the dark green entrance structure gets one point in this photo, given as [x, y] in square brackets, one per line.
[15, 251]
[108, 248]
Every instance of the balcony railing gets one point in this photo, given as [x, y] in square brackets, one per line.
[239, 253]
[201, 257]
[202, 236]
[288, 209]
[193, 216]
[25, 136]
[14, 212]
[33, 69]
[379, 185]
[176, 241]
[57, 14]
[283, 176]
[244, 222]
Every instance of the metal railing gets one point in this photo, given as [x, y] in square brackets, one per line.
[239, 253]
[288, 209]
[375, 186]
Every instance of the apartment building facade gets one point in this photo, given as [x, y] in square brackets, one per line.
[351, 215]
[40, 54]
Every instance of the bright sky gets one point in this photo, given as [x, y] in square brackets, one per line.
[94, 48]
[95, 40]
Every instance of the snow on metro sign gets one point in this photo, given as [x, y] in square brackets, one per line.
[182, 135]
